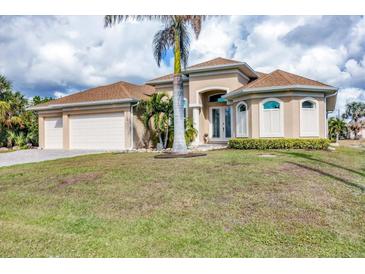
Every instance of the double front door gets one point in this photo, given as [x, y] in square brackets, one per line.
[220, 121]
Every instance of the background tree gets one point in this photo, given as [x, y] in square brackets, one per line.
[336, 128]
[175, 35]
[4, 85]
[18, 125]
[355, 111]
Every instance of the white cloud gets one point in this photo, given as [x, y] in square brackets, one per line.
[348, 95]
[58, 55]
[75, 51]
[59, 94]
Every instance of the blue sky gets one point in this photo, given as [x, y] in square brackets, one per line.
[55, 56]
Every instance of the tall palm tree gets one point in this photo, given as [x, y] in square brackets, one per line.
[355, 111]
[175, 35]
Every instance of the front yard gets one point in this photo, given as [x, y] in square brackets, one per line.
[228, 204]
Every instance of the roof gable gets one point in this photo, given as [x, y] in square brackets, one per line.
[282, 78]
[211, 63]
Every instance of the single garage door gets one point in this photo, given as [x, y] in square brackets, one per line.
[97, 131]
[53, 133]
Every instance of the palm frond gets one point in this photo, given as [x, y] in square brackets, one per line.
[5, 84]
[162, 41]
[184, 44]
[110, 20]
[4, 108]
[196, 23]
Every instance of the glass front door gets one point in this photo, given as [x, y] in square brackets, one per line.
[220, 123]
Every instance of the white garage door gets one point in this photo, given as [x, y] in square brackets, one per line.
[53, 133]
[97, 131]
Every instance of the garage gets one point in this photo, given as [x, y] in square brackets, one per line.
[53, 132]
[97, 131]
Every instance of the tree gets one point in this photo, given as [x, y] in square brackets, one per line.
[17, 124]
[157, 108]
[5, 85]
[355, 111]
[336, 128]
[176, 36]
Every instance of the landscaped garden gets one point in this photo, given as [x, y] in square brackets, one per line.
[231, 203]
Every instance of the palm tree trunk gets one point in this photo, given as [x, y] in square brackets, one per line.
[166, 138]
[179, 145]
[337, 137]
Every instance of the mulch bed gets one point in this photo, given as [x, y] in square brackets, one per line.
[171, 155]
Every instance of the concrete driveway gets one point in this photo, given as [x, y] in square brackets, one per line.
[38, 155]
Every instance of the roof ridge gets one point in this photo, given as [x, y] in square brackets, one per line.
[297, 75]
[285, 76]
[261, 78]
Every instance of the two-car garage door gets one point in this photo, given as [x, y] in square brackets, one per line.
[97, 131]
[88, 131]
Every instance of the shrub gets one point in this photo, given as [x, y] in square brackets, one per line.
[278, 143]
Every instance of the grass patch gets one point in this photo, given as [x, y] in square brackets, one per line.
[231, 203]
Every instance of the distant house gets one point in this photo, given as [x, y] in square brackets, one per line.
[224, 98]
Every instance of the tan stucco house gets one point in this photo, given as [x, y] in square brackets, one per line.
[224, 98]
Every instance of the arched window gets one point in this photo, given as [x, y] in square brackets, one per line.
[308, 104]
[241, 120]
[271, 118]
[271, 105]
[215, 97]
[309, 118]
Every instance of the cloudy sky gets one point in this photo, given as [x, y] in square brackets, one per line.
[54, 56]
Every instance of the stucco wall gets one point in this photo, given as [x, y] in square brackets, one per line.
[291, 115]
[200, 84]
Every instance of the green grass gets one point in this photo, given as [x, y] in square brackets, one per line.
[229, 204]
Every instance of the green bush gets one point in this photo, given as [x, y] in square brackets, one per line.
[278, 143]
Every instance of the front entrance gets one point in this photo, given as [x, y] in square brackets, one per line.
[220, 123]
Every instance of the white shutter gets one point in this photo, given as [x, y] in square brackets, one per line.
[309, 122]
[271, 120]
[241, 123]
[275, 128]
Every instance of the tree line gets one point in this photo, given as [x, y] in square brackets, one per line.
[18, 125]
[338, 128]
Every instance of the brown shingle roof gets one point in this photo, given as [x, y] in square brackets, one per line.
[119, 90]
[282, 78]
[211, 63]
[215, 62]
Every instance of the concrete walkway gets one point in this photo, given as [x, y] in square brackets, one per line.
[38, 155]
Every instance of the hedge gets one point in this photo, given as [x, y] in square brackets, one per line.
[279, 143]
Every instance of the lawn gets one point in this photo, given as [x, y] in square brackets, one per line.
[227, 204]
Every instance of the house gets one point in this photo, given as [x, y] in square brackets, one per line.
[224, 98]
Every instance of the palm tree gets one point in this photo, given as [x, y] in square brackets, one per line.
[175, 35]
[355, 111]
[5, 85]
[336, 127]
[157, 108]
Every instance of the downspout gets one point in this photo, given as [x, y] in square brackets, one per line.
[132, 126]
[326, 113]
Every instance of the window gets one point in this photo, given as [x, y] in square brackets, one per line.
[272, 105]
[215, 98]
[309, 118]
[308, 104]
[241, 120]
[271, 118]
